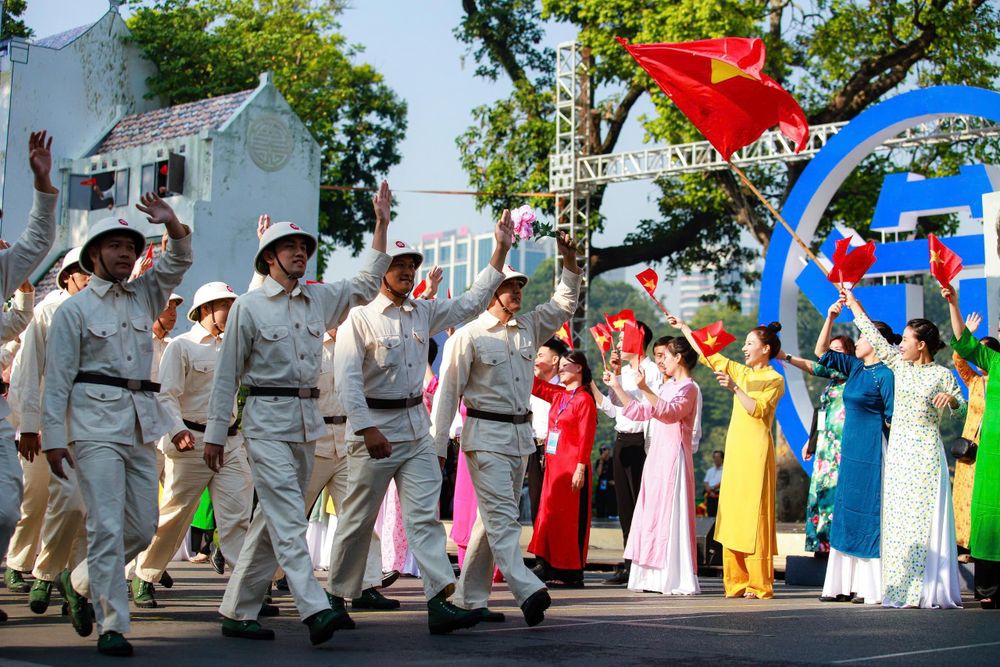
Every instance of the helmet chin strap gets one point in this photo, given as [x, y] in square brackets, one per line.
[215, 324]
[290, 276]
[395, 293]
[111, 277]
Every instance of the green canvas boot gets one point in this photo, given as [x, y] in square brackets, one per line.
[113, 643]
[142, 594]
[15, 581]
[79, 610]
[38, 598]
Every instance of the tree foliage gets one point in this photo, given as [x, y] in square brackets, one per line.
[838, 57]
[204, 48]
[11, 23]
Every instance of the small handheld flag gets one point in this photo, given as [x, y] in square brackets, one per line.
[419, 289]
[617, 321]
[945, 264]
[632, 341]
[713, 338]
[564, 335]
[850, 267]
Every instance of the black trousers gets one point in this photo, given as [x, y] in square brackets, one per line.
[987, 579]
[628, 458]
[535, 473]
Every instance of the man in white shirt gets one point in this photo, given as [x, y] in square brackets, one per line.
[99, 401]
[380, 360]
[273, 346]
[629, 454]
[52, 510]
[488, 365]
[16, 264]
[546, 369]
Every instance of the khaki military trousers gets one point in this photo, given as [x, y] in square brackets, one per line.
[11, 489]
[414, 465]
[185, 478]
[497, 479]
[331, 473]
[119, 488]
[64, 530]
[277, 534]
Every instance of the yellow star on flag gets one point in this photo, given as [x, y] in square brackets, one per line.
[649, 285]
[723, 71]
[935, 257]
[710, 340]
[602, 339]
[620, 323]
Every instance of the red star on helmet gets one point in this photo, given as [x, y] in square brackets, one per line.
[293, 226]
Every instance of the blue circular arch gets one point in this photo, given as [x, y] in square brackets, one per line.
[811, 195]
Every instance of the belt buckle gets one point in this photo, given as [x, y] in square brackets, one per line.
[133, 385]
[305, 392]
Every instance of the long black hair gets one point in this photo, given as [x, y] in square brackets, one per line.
[587, 376]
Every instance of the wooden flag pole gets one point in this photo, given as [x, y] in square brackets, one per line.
[774, 212]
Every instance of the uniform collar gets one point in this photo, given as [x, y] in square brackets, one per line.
[199, 333]
[101, 286]
[491, 320]
[382, 303]
[273, 288]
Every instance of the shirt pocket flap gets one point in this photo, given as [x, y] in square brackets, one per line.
[100, 392]
[528, 352]
[491, 353]
[141, 324]
[273, 333]
[315, 328]
[203, 366]
[389, 342]
[102, 329]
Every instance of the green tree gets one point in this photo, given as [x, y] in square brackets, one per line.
[11, 24]
[204, 48]
[838, 57]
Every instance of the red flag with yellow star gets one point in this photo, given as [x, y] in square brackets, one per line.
[945, 264]
[648, 279]
[718, 84]
[564, 335]
[713, 338]
[851, 267]
[602, 336]
[617, 322]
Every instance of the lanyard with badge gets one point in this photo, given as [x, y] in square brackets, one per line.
[552, 442]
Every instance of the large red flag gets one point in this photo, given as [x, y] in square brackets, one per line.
[602, 336]
[713, 338]
[945, 264]
[632, 339]
[718, 84]
[851, 267]
[648, 279]
[617, 321]
[564, 335]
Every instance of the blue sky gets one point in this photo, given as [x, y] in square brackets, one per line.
[411, 43]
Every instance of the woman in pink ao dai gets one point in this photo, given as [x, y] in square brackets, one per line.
[661, 544]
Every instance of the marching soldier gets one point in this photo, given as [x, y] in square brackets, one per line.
[381, 355]
[274, 347]
[489, 364]
[16, 265]
[100, 402]
[59, 505]
[187, 370]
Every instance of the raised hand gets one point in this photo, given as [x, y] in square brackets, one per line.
[973, 321]
[640, 379]
[948, 294]
[615, 361]
[434, 277]
[725, 381]
[611, 380]
[675, 322]
[263, 224]
[504, 232]
[382, 202]
[40, 160]
[158, 212]
[833, 312]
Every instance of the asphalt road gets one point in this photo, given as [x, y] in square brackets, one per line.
[598, 625]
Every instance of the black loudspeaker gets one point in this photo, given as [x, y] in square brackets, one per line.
[709, 551]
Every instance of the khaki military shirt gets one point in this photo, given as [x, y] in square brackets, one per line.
[275, 339]
[332, 443]
[382, 353]
[491, 366]
[29, 365]
[107, 329]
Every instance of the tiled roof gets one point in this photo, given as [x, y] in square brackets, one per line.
[61, 39]
[177, 121]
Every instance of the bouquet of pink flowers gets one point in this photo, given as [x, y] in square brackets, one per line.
[523, 217]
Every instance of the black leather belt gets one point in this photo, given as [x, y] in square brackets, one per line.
[393, 403]
[195, 426]
[292, 392]
[336, 419]
[497, 417]
[124, 383]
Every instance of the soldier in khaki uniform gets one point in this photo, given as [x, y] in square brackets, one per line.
[16, 265]
[187, 370]
[100, 410]
[489, 364]
[380, 359]
[330, 472]
[52, 509]
[273, 346]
